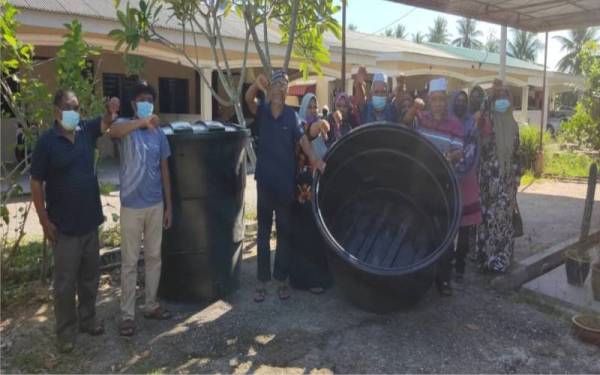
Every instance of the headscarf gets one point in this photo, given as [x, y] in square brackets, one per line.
[506, 130]
[279, 76]
[302, 112]
[479, 89]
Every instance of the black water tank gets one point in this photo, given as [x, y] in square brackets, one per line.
[388, 206]
[201, 253]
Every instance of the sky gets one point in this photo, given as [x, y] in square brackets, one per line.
[374, 16]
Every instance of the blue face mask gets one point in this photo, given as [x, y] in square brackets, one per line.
[144, 109]
[70, 119]
[379, 102]
[501, 105]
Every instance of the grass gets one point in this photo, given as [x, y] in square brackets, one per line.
[106, 188]
[567, 165]
[250, 215]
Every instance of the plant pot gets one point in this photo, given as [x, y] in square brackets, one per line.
[596, 281]
[577, 268]
[587, 328]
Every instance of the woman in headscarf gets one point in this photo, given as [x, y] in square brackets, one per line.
[499, 180]
[308, 268]
[447, 133]
[343, 119]
[469, 184]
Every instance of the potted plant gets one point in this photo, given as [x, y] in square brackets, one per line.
[577, 265]
[587, 327]
[596, 276]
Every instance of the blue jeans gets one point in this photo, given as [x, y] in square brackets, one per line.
[267, 204]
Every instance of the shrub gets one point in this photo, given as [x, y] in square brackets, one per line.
[529, 143]
[568, 165]
[582, 129]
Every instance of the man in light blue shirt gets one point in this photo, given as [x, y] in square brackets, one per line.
[145, 203]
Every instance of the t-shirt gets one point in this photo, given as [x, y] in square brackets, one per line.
[276, 159]
[68, 169]
[141, 153]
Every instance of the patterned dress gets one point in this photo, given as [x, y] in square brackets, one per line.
[495, 235]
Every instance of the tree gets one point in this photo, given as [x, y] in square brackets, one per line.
[524, 45]
[468, 34]
[492, 43]
[388, 32]
[352, 27]
[301, 24]
[439, 32]
[418, 37]
[572, 44]
[400, 32]
[583, 126]
[73, 72]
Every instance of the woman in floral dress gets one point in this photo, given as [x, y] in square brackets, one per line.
[500, 174]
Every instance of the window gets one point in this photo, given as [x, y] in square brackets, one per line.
[119, 85]
[173, 95]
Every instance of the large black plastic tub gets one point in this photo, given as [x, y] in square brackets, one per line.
[388, 206]
[201, 253]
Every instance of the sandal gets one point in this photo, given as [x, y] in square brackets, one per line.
[283, 291]
[95, 329]
[158, 314]
[317, 290]
[127, 328]
[260, 294]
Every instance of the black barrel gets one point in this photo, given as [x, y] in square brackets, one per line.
[201, 253]
[388, 206]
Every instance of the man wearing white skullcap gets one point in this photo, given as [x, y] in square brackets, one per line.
[376, 106]
[447, 134]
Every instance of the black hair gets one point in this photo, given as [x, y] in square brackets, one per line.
[141, 88]
[60, 94]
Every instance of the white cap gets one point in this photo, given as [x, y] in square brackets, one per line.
[379, 77]
[438, 84]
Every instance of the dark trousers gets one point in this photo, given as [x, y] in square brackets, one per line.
[267, 204]
[458, 254]
[76, 273]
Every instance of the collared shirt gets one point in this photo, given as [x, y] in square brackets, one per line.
[276, 160]
[68, 169]
[141, 152]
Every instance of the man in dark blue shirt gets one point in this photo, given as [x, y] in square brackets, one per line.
[280, 130]
[69, 210]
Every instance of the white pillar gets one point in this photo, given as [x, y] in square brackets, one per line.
[206, 96]
[525, 104]
[503, 37]
[322, 91]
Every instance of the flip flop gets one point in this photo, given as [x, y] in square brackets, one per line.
[283, 292]
[260, 295]
[127, 328]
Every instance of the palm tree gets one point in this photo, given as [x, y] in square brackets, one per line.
[468, 34]
[400, 32]
[572, 44]
[524, 45]
[439, 32]
[492, 44]
[418, 37]
[352, 27]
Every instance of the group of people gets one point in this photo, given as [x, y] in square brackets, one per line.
[291, 144]
[66, 196]
[486, 165]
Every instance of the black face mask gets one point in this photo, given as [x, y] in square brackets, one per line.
[460, 110]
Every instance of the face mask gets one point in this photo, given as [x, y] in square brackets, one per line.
[70, 119]
[501, 105]
[310, 119]
[144, 109]
[379, 102]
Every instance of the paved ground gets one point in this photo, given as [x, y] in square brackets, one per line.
[476, 331]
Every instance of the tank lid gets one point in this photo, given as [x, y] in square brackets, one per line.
[200, 127]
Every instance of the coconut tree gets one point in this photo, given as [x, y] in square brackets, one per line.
[418, 37]
[439, 32]
[524, 45]
[572, 45]
[468, 34]
[492, 43]
[400, 32]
